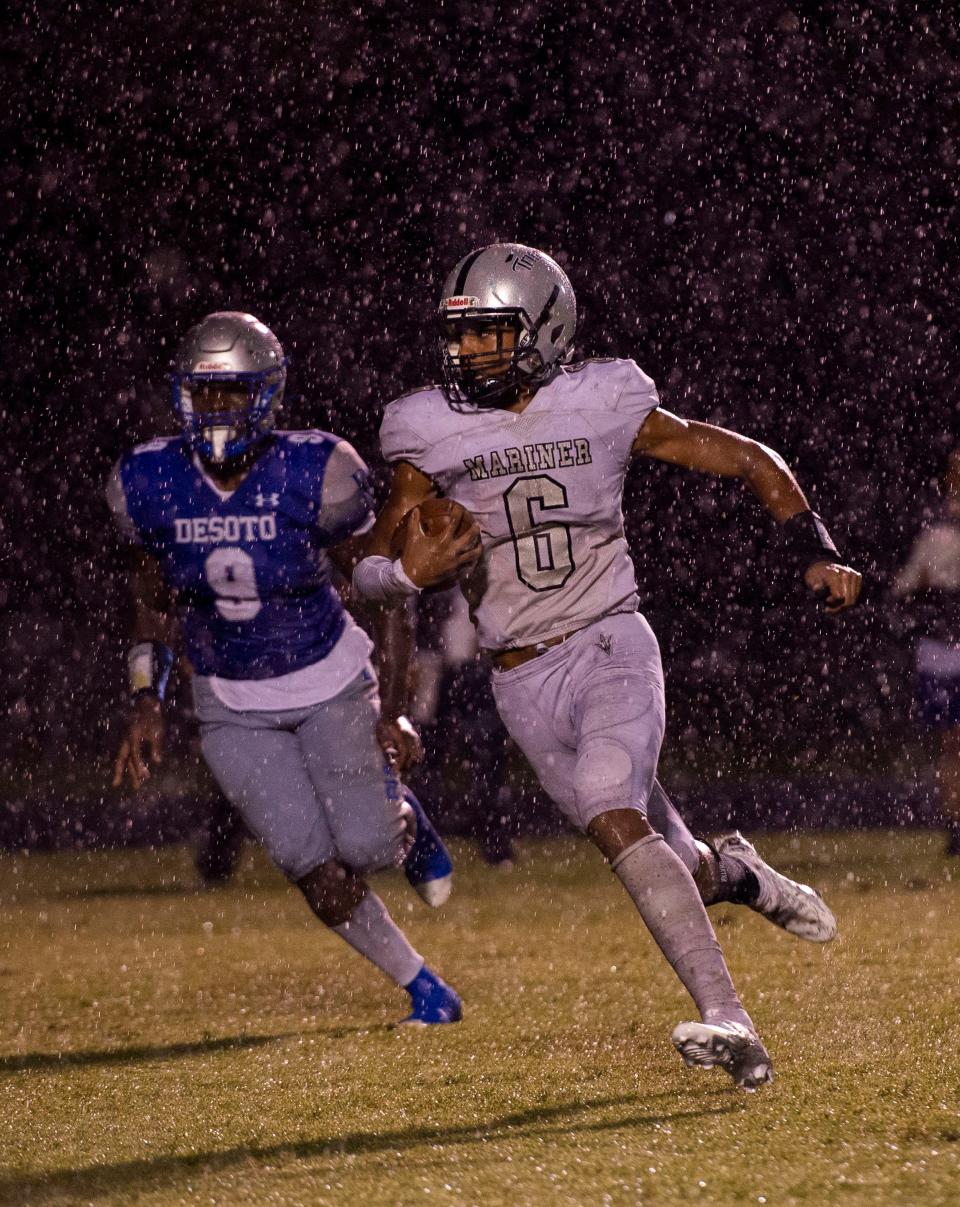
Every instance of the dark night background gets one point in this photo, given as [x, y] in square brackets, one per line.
[756, 201]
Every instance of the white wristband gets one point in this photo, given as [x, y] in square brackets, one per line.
[380, 578]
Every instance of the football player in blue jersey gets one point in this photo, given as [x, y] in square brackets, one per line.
[231, 528]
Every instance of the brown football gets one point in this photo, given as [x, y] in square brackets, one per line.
[434, 516]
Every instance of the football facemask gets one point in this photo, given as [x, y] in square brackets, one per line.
[240, 355]
[483, 355]
[223, 435]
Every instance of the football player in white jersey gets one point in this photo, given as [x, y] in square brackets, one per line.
[537, 448]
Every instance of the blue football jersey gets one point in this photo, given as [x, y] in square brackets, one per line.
[250, 571]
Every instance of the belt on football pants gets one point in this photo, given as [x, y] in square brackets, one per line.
[506, 660]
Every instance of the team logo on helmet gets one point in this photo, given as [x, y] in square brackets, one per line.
[523, 260]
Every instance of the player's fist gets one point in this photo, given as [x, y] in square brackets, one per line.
[436, 542]
[839, 586]
[142, 745]
[400, 742]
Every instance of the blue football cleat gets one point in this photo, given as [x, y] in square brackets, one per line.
[428, 867]
[433, 1001]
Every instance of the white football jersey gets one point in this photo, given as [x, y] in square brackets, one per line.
[934, 562]
[545, 486]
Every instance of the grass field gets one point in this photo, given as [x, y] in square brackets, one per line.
[166, 1046]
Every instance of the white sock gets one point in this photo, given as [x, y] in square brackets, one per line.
[373, 933]
[667, 899]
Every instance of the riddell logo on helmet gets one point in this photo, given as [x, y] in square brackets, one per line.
[460, 303]
[210, 366]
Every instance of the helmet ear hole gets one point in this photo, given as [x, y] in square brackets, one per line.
[556, 333]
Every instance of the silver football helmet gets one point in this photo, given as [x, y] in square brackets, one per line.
[229, 348]
[505, 288]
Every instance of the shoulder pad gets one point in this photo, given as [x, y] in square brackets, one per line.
[580, 365]
[154, 446]
[414, 393]
[308, 436]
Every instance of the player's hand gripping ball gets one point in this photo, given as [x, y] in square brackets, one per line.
[437, 541]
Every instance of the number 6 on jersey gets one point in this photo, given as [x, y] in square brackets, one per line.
[544, 557]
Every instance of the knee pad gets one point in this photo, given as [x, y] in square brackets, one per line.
[332, 891]
[604, 775]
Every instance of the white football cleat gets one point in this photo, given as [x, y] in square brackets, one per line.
[435, 892]
[428, 865]
[798, 908]
[732, 1046]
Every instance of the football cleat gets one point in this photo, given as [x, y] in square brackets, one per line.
[433, 1001]
[428, 867]
[798, 908]
[732, 1046]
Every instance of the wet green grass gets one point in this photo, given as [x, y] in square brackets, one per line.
[166, 1046]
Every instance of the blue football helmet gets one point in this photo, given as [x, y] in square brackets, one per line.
[233, 349]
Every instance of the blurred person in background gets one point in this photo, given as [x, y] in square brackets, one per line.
[928, 585]
[220, 835]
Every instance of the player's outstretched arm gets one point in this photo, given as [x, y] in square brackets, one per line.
[714, 450]
[150, 659]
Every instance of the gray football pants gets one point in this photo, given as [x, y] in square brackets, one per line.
[311, 783]
[589, 715]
